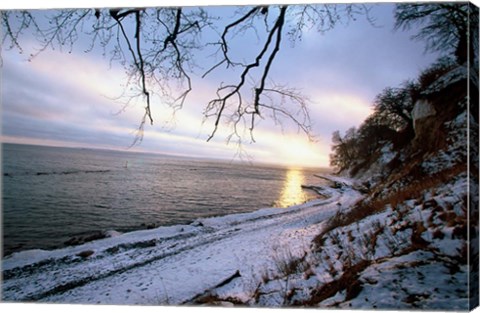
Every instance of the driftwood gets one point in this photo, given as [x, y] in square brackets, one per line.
[339, 184]
[318, 189]
[208, 295]
[335, 183]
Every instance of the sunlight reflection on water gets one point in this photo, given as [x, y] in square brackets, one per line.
[52, 194]
[292, 192]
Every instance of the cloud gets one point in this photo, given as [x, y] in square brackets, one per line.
[361, 57]
[334, 110]
[44, 100]
[343, 69]
[70, 98]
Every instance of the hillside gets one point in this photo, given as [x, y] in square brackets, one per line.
[411, 242]
[419, 213]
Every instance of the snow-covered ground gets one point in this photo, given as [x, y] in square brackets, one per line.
[413, 259]
[402, 258]
[173, 265]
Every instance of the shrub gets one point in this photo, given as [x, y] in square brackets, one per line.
[439, 68]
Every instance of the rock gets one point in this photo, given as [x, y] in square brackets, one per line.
[197, 224]
[425, 120]
[422, 109]
[85, 254]
[151, 226]
[112, 233]
[78, 240]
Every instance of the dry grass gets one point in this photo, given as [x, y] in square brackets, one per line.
[287, 264]
[417, 241]
[214, 300]
[438, 234]
[376, 204]
[348, 281]
[435, 71]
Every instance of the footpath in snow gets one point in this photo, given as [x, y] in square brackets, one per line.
[176, 264]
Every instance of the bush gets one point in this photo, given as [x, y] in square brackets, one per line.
[436, 70]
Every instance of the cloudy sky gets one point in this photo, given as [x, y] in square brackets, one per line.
[70, 99]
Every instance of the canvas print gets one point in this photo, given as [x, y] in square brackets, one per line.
[314, 155]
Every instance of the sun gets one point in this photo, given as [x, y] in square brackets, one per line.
[299, 151]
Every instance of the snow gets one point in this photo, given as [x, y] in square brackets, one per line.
[387, 154]
[455, 75]
[170, 265]
[401, 272]
[264, 258]
[428, 285]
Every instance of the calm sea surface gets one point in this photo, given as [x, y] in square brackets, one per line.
[52, 194]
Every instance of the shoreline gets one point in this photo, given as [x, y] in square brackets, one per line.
[212, 246]
[80, 199]
[324, 193]
[96, 234]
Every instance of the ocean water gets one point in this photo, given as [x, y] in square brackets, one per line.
[50, 194]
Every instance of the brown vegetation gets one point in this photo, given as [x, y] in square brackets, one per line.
[372, 205]
[348, 281]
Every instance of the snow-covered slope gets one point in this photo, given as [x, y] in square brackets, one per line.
[412, 242]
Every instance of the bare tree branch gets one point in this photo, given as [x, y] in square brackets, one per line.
[220, 103]
[157, 48]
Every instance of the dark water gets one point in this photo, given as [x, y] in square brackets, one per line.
[52, 194]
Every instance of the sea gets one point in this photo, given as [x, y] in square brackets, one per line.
[53, 194]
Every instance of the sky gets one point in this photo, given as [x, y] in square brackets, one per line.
[69, 99]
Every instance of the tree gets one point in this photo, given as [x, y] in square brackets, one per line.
[434, 71]
[372, 134]
[389, 122]
[445, 27]
[394, 105]
[451, 28]
[339, 157]
[344, 150]
[157, 48]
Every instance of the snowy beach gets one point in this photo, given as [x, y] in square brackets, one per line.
[391, 259]
[173, 265]
[69, 196]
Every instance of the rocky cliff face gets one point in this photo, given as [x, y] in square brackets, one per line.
[443, 124]
[421, 110]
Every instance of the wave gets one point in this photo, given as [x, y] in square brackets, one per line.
[56, 173]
